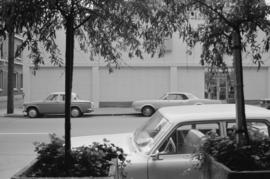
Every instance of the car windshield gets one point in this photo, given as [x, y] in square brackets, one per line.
[163, 96]
[51, 97]
[75, 96]
[147, 134]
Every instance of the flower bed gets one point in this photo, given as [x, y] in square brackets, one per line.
[113, 173]
[95, 160]
[222, 158]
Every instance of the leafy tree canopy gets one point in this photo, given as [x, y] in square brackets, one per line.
[102, 27]
[220, 19]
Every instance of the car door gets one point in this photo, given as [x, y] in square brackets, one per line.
[164, 101]
[180, 166]
[181, 99]
[174, 157]
[60, 107]
[49, 105]
[170, 100]
[170, 163]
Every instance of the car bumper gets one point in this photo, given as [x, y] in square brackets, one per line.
[136, 107]
[89, 110]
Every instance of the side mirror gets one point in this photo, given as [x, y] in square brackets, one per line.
[155, 156]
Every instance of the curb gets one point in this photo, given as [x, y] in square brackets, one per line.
[88, 114]
[12, 115]
[97, 112]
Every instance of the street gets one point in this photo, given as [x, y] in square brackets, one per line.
[17, 135]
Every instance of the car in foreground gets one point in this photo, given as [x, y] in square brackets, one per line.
[164, 146]
[265, 103]
[55, 104]
[148, 107]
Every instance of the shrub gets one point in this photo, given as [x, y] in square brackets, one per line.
[93, 160]
[255, 156]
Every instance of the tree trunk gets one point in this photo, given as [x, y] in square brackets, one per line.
[68, 86]
[241, 132]
[10, 89]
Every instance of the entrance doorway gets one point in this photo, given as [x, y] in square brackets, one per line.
[219, 85]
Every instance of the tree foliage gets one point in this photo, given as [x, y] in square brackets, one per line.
[218, 19]
[102, 27]
[227, 27]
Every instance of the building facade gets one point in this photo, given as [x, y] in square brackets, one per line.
[146, 78]
[17, 75]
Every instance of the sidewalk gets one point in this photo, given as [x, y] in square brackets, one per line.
[106, 111]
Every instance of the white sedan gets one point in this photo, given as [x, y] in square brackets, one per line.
[148, 107]
[163, 147]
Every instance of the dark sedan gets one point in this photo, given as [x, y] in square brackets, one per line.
[55, 104]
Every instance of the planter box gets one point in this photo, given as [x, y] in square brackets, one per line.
[215, 170]
[114, 173]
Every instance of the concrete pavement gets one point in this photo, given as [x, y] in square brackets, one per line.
[106, 111]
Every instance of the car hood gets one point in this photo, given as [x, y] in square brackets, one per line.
[33, 102]
[122, 140]
[81, 100]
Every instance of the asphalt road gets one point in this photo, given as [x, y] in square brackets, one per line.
[17, 135]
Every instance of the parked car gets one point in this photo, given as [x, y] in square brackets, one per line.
[148, 107]
[55, 104]
[265, 103]
[164, 145]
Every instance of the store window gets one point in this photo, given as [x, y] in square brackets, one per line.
[1, 50]
[219, 85]
[15, 81]
[21, 81]
[20, 54]
[1, 80]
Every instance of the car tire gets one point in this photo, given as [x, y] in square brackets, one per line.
[148, 111]
[32, 112]
[75, 112]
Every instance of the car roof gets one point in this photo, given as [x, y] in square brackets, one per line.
[61, 92]
[178, 92]
[176, 114]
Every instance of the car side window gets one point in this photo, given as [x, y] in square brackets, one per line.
[171, 97]
[255, 129]
[62, 97]
[181, 140]
[181, 97]
[52, 97]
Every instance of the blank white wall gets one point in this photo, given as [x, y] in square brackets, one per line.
[45, 81]
[134, 83]
[255, 83]
[191, 79]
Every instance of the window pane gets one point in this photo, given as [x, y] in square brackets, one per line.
[171, 97]
[146, 135]
[21, 80]
[255, 129]
[1, 79]
[181, 141]
[15, 80]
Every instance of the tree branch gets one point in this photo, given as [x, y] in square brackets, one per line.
[217, 12]
[89, 17]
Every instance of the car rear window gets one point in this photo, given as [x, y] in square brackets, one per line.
[205, 128]
[255, 129]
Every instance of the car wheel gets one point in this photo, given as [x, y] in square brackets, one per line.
[147, 111]
[75, 112]
[32, 112]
